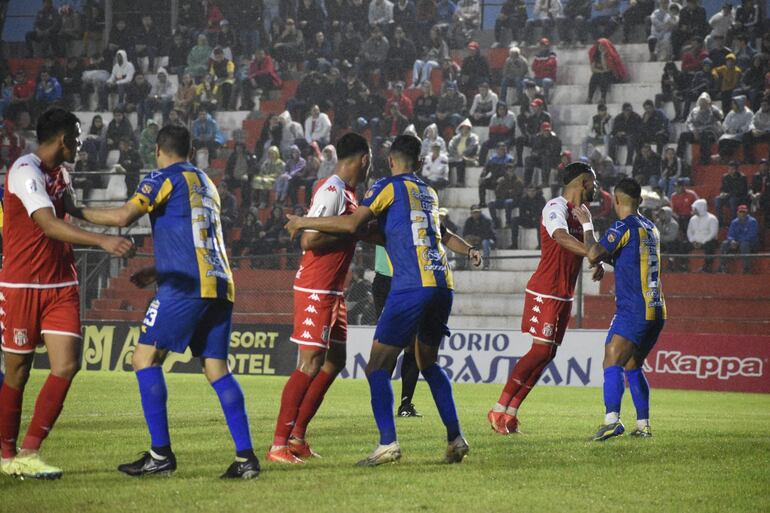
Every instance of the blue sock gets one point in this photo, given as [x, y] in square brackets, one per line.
[613, 388]
[382, 405]
[640, 392]
[2, 378]
[441, 388]
[152, 388]
[234, 407]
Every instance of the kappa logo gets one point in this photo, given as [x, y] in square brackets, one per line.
[308, 322]
[2, 296]
[547, 329]
[314, 297]
[704, 367]
[2, 311]
[306, 335]
[311, 309]
[539, 299]
[534, 320]
[532, 330]
[20, 336]
[536, 309]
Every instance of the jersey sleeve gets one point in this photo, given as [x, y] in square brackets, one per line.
[328, 200]
[380, 197]
[152, 192]
[555, 217]
[28, 184]
[616, 237]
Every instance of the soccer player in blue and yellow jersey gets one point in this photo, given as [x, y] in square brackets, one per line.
[420, 298]
[632, 246]
[194, 301]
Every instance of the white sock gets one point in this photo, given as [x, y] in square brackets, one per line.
[512, 411]
[156, 456]
[642, 423]
[611, 418]
[498, 408]
[276, 447]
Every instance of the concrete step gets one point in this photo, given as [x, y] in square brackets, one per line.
[630, 53]
[640, 72]
[512, 323]
[580, 114]
[636, 93]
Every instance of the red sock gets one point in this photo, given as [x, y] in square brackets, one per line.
[48, 406]
[311, 402]
[293, 392]
[523, 368]
[532, 379]
[10, 419]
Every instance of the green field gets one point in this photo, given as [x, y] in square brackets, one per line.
[710, 452]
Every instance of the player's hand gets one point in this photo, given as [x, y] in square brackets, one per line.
[598, 272]
[474, 255]
[583, 214]
[118, 246]
[294, 225]
[144, 277]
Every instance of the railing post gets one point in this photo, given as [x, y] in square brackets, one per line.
[579, 294]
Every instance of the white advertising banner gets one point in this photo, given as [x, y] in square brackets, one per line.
[488, 356]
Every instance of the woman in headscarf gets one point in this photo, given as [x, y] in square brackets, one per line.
[606, 67]
[269, 171]
[429, 136]
[328, 162]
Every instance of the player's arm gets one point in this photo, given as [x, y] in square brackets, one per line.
[340, 225]
[461, 246]
[58, 229]
[594, 252]
[320, 241]
[121, 216]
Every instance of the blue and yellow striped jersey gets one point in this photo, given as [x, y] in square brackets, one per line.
[634, 244]
[407, 210]
[190, 256]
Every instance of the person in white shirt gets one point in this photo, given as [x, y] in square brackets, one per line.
[122, 75]
[318, 127]
[720, 24]
[483, 106]
[702, 232]
[435, 167]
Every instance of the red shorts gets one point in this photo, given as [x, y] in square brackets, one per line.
[545, 318]
[319, 319]
[28, 314]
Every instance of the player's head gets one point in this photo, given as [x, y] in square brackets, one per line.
[353, 150]
[580, 176]
[172, 145]
[628, 194]
[404, 156]
[59, 131]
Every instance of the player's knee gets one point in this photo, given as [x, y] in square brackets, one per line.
[66, 370]
[17, 376]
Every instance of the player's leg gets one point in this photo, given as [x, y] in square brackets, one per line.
[410, 373]
[637, 381]
[17, 367]
[618, 350]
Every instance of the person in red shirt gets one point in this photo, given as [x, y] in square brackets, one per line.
[692, 59]
[320, 314]
[601, 209]
[549, 292]
[681, 203]
[39, 289]
[544, 66]
[22, 95]
[405, 106]
[262, 75]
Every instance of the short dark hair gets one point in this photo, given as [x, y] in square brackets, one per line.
[630, 188]
[174, 140]
[53, 122]
[409, 147]
[576, 169]
[351, 144]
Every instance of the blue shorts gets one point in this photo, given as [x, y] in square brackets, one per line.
[203, 325]
[642, 333]
[424, 312]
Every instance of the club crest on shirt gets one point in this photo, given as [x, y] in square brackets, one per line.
[146, 188]
[611, 237]
[20, 336]
[547, 329]
[368, 194]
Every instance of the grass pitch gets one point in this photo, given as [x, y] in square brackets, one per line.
[710, 452]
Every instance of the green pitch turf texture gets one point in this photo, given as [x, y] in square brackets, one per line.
[710, 452]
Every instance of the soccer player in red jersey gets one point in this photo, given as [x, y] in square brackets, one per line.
[320, 315]
[549, 292]
[39, 289]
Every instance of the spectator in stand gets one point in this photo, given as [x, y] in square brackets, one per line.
[513, 17]
[450, 108]
[395, 122]
[373, 54]
[544, 66]
[483, 106]
[289, 46]
[238, 170]
[425, 107]
[309, 176]
[671, 170]
[530, 211]
[753, 81]
[601, 210]
[425, 17]
[368, 110]
[228, 213]
[136, 95]
[474, 70]
[71, 28]
[311, 19]
[604, 17]
[733, 192]
[574, 24]
[637, 13]
[743, 51]
[720, 24]
[467, 20]
[45, 30]
[184, 98]
[748, 20]
[275, 236]
[73, 94]
[22, 95]
[606, 67]
[328, 163]
[269, 171]
[673, 84]
[250, 239]
[223, 71]
[663, 21]
[174, 119]
[131, 161]
[530, 123]
[692, 24]
[759, 130]
[478, 231]
[703, 81]
[654, 127]
[445, 12]
[119, 128]
[435, 167]
[502, 128]
[718, 54]
[121, 37]
[508, 191]
[463, 150]
[146, 42]
[545, 14]
[147, 141]
[286, 184]
[670, 243]
[318, 127]
[405, 16]
[432, 54]
[626, 128]
[206, 95]
[12, 146]
[95, 143]
[214, 17]
[693, 56]
[494, 169]
[682, 201]
[399, 98]
[760, 191]
[205, 134]
[198, 58]
[515, 69]
[319, 54]
[736, 125]
[401, 55]
[702, 233]
[546, 154]
[598, 130]
[381, 13]
[262, 75]
[430, 136]
[742, 238]
[450, 70]
[121, 76]
[293, 133]
[728, 77]
[177, 55]
[646, 166]
[48, 92]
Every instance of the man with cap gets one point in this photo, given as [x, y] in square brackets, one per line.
[550, 291]
[530, 123]
[742, 237]
[546, 153]
[681, 202]
[478, 232]
[625, 128]
[474, 70]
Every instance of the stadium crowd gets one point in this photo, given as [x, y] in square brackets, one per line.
[382, 68]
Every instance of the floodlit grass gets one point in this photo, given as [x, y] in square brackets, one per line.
[710, 452]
